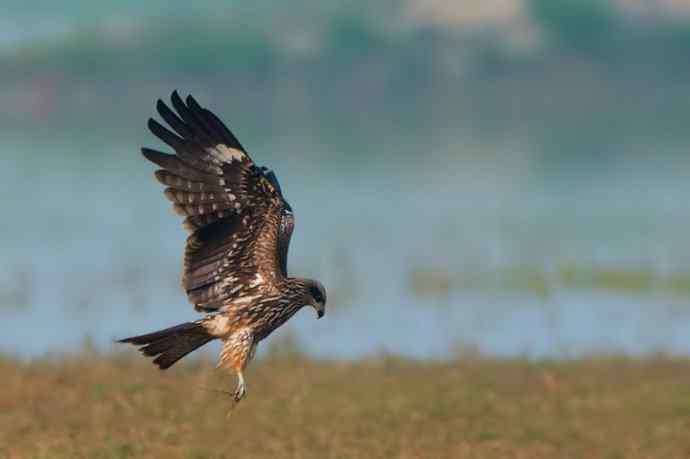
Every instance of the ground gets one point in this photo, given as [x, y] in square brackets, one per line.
[119, 406]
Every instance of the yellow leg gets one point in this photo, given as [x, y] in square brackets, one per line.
[241, 390]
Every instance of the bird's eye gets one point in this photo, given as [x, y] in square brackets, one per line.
[316, 295]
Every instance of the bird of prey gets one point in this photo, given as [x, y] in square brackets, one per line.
[235, 259]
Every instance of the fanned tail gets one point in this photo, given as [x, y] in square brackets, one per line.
[171, 344]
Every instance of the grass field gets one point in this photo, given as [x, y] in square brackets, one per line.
[120, 406]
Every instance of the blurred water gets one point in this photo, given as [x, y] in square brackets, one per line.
[90, 248]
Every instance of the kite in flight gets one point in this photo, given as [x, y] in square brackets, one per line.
[235, 259]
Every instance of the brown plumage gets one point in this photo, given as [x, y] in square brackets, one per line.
[235, 259]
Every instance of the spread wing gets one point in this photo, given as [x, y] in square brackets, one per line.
[240, 222]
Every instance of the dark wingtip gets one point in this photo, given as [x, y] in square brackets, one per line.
[160, 106]
[147, 153]
[176, 99]
[151, 124]
[192, 102]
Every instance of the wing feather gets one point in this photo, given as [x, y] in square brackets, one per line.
[287, 225]
[239, 221]
[224, 132]
[173, 120]
[188, 150]
[175, 165]
[181, 183]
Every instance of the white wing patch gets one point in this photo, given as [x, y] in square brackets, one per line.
[225, 153]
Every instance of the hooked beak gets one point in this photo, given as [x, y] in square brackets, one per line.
[320, 309]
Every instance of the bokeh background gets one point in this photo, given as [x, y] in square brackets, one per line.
[508, 177]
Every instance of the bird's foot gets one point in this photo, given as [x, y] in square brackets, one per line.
[239, 393]
[236, 397]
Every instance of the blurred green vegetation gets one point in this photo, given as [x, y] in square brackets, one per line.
[181, 47]
[428, 281]
[364, 77]
[587, 26]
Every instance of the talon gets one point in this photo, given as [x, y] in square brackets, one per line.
[236, 397]
[239, 393]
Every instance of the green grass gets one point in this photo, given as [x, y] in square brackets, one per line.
[531, 279]
[115, 406]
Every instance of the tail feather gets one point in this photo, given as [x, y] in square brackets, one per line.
[171, 344]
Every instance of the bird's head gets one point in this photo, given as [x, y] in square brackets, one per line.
[316, 297]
